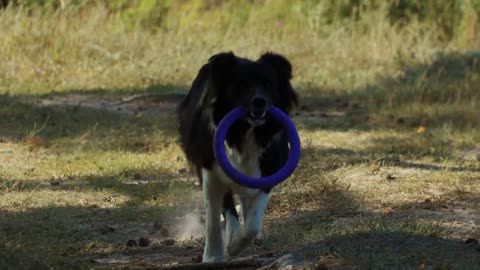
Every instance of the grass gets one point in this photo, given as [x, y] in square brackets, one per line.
[389, 175]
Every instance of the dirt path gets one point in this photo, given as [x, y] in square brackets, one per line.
[134, 104]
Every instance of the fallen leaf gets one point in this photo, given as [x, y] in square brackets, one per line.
[421, 130]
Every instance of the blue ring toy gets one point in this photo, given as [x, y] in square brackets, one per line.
[251, 182]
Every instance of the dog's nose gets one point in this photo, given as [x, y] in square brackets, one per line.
[258, 103]
[258, 106]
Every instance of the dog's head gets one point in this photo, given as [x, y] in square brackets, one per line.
[254, 85]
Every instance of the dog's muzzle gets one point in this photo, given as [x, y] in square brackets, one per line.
[258, 110]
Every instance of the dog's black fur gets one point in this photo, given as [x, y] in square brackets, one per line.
[224, 83]
[221, 85]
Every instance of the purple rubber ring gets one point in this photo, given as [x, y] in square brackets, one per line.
[251, 182]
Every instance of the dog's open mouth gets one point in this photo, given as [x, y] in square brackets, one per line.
[257, 118]
[258, 115]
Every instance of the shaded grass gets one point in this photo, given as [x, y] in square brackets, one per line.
[404, 245]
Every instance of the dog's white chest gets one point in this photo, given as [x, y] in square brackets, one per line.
[247, 161]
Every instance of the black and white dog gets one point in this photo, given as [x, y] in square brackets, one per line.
[256, 145]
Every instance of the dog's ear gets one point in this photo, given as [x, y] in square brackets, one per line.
[279, 63]
[221, 66]
[211, 77]
[283, 68]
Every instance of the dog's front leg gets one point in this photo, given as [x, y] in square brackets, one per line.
[252, 225]
[213, 191]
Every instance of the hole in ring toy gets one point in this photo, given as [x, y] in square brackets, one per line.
[263, 182]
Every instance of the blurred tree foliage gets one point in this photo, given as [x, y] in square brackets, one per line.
[152, 14]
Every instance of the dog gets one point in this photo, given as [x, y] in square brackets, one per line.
[256, 145]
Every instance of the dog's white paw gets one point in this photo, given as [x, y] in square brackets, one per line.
[207, 259]
[212, 255]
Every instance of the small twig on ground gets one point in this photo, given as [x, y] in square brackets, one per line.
[237, 263]
[150, 95]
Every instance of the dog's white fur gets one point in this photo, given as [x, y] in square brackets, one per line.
[234, 237]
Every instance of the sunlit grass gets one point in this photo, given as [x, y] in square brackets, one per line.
[85, 48]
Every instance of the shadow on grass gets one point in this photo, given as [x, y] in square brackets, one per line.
[392, 249]
[84, 115]
[69, 237]
[382, 154]
[343, 235]
[15, 259]
[435, 94]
